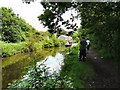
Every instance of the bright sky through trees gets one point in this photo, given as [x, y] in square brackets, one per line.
[30, 12]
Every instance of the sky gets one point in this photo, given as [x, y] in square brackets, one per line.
[30, 12]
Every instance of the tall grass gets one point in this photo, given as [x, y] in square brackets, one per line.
[8, 49]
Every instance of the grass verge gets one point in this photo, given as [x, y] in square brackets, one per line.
[79, 71]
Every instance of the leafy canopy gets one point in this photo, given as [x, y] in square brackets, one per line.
[52, 16]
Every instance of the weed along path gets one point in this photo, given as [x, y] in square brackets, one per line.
[106, 75]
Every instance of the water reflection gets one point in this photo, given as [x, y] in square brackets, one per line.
[54, 63]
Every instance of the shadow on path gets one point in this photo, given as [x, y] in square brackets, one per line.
[106, 76]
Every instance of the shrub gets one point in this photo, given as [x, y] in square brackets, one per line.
[48, 43]
[38, 77]
[9, 49]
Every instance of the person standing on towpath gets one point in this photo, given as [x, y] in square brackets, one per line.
[82, 49]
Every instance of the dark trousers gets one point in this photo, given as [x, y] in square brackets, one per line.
[82, 54]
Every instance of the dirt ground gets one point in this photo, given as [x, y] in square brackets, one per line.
[106, 76]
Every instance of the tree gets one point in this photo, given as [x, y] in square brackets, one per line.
[102, 19]
[11, 32]
[14, 28]
[52, 15]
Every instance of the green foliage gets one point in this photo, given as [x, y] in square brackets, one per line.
[57, 42]
[48, 43]
[14, 29]
[102, 20]
[53, 41]
[53, 15]
[38, 77]
[34, 41]
[75, 36]
[8, 49]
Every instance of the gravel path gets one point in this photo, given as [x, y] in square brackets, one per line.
[106, 76]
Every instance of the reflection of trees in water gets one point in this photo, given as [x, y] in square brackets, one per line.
[51, 51]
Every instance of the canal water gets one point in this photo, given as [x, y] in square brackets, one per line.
[14, 67]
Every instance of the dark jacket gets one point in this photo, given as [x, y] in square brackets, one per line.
[83, 44]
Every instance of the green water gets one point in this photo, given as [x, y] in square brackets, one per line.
[14, 66]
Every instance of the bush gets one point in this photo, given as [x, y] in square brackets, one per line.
[8, 49]
[48, 43]
[38, 77]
